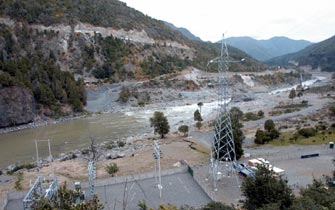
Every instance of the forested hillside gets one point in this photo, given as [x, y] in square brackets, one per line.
[320, 55]
[31, 82]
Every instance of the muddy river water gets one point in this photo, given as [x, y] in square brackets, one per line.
[65, 136]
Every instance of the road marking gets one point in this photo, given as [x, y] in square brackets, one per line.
[180, 180]
[132, 198]
[187, 189]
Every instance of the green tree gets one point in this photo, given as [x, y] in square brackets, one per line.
[260, 137]
[292, 94]
[264, 188]
[160, 124]
[269, 125]
[200, 104]
[237, 134]
[315, 196]
[236, 113]
[183, 129]
[197, 116]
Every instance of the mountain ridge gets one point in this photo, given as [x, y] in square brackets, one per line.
[184, 31]
[319, 55]
[266, 49]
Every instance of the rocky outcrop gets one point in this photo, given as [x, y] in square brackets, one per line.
[17, 106]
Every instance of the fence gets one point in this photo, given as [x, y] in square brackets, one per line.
[4, 203]
[130, 178]
[204, 184]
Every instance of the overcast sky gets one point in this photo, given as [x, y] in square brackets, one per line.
[312, 20]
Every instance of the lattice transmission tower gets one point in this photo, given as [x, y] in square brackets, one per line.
[223, 155]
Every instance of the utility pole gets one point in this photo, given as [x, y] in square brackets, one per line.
[157, 156]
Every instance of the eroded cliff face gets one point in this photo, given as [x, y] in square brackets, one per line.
[17, 106]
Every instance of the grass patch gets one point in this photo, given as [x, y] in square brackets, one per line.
[289, 108]
[18, 182]
[289, 138]
[292, 106]
[250, 116]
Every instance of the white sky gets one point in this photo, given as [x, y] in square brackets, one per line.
[312, 20]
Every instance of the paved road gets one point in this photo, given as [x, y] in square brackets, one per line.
[178, 189]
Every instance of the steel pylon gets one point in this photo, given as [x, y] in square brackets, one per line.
[223, 157]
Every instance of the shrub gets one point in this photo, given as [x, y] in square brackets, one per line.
[124, 94]
[332, 109]
[183, 129]
[18, 182]
[274, 133]
[307, 132]
[251, 116]
[260, 113]
[120, 144]
[112, 169]
[269, 125]
[19, 167]
[261, 137]
[141, 103]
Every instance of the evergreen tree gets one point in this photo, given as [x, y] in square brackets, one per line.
[269, 125]
[264, 189]
[292, 94]
[197, 116]
[160, 124]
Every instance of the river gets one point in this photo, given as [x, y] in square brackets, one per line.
[66, 136]
[71, 135]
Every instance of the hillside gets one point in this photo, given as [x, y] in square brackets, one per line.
[320, 55]
[184, 31]
[45, 44]
[266, 49]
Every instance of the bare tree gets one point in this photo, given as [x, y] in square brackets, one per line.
[94, 153]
